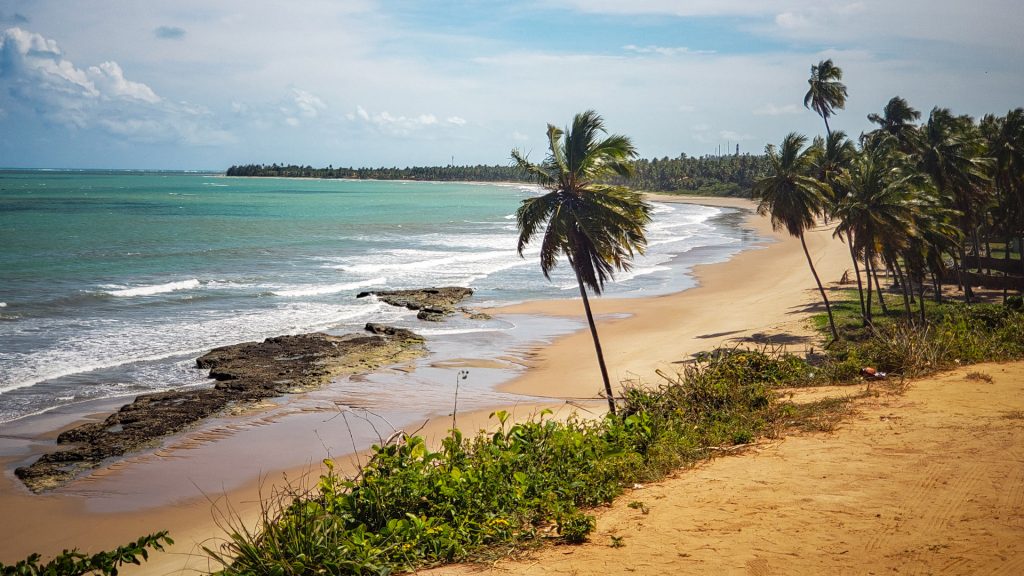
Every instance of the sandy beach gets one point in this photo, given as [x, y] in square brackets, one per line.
[760, 295]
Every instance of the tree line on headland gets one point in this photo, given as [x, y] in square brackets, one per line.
[731, 175]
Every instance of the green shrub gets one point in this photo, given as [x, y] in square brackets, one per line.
[74, 563]
[574, 528]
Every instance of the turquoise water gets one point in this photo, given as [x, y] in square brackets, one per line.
[112, 282]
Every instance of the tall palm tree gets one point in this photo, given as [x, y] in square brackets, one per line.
[1005, 139]
[952, 155]
[897, 121]
[879, 211]
[832, 156]
[794, 198]
[827, 92]
[597, 226]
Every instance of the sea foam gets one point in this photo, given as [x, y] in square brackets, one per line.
[155, 289]
[320, 290]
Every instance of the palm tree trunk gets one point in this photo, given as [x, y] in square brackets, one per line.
[906, 289]
[828, 130]
[924, 317]
[867, 272]
[1006, 260]
[878, 286]
[964, 281]
[824, 297]
[856, 270]
[597, 343]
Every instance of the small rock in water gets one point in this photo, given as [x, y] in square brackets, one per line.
[433, 304]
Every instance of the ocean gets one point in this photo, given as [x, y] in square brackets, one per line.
[112, 282]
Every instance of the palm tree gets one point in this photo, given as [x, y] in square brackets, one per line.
[1005, 139]
[951, 154]
[826, 93]
[879, 211]
[897, 121]
[832, 157]
[597, 226]
[794, 198]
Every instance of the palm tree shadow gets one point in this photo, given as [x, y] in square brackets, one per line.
[812, 308]
[719, 334]
[781, 338]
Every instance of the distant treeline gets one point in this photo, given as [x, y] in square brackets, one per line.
[706, 175]
[478, 173]
[713, 175]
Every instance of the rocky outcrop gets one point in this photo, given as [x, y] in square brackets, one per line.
[245, 374]
[433, 304]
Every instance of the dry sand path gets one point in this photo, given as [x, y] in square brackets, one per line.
[930, 482]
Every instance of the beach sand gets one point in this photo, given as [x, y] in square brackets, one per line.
[760, 295]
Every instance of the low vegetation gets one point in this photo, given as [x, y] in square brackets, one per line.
[528, 482]
[73, 562]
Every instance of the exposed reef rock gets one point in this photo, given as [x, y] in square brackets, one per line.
[433, 304]
[245, 373]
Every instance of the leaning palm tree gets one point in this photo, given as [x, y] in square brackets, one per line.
[596, 226]
[826, 93]
[794, 198]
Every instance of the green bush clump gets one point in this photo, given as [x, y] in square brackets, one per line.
[575, 527]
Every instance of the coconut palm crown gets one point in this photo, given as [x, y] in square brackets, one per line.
[826, 93]
[597, 226]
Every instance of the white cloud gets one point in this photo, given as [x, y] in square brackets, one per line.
[734, 136]
[775, 110]
[402, 125]
[38, 75]
[664, 50]
[109, 80]
[687, 8]
[309, 105]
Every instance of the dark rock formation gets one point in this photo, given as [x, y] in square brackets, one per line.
[433, 304]
[245, 373]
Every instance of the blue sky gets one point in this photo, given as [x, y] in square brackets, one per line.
[203, 84]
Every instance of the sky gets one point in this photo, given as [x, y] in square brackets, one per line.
[204, 84]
